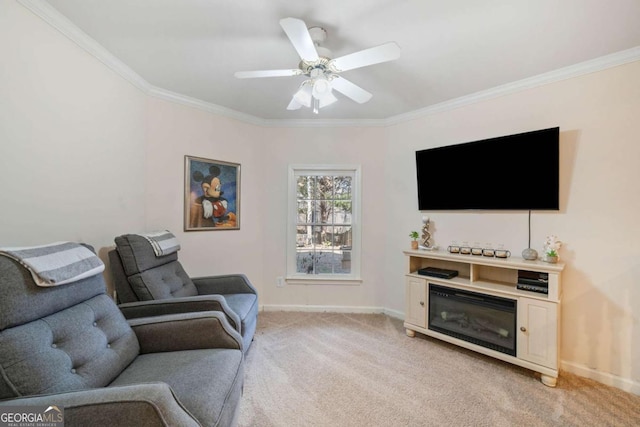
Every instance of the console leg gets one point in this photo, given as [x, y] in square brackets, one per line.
[410, 333]
[548, 381]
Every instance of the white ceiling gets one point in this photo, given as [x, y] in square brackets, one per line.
[451, 50]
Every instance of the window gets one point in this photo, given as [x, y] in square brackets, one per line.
[324, 224]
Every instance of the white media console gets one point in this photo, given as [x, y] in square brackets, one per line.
[537, 315]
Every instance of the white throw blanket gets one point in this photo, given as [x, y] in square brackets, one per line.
[56, 263]
[163, 242]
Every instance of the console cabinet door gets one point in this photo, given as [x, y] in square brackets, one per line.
[538, 332]
[416, 302]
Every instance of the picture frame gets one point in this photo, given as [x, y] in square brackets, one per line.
[211, 194]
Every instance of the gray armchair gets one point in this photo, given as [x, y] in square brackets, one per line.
[140, 275]
[70, 346]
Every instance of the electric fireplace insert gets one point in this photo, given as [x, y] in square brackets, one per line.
[481, 319]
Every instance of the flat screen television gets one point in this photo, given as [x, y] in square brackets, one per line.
[514, 172]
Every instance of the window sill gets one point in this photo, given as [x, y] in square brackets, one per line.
[323, 280]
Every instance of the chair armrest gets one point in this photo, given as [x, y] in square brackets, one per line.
[115, 406]
[186, 331]
[224, 284]
[134, 310]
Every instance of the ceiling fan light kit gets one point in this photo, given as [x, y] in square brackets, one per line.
[304, 94]
[322, 71]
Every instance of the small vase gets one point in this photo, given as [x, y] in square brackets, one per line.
[551, 259]
[530, 254]
[414, 244]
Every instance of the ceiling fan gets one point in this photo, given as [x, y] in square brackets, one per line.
[322, 71]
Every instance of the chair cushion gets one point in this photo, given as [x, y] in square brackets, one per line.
[84, 346]
[190, 374]
[162, 282]
[137, 254]
[246, 307]
[22, 301]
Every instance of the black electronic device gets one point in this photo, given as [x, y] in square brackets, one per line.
[492, 174]
[533, 281]
[533, 288]
[441, 273]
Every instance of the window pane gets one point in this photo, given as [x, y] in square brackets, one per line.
[345, 262]
[324, 211]
[303, 236]
[323, 187]
[342, 212]
[323, 237]
[343, 237]
[301, 188]
[343, 187]
[315, 212]
[304, 212]
[314, 236]
[305, 187]
[305, 261]
[317, 235]
[324, 262]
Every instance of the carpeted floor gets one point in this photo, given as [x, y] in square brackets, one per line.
[336, 369]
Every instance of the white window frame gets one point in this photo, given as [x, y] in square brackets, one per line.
[353, 278]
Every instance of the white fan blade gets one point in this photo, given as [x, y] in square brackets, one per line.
[293, 105]
[375, 55]
[266, 73]
[298, 33]
[351, 90]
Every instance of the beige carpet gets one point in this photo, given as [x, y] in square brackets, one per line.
[334, 369]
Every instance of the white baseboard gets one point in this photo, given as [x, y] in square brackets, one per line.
[323, 308]
[625, 384]
[334, 309]
[394, 313]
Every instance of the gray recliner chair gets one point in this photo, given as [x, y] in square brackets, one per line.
[70, 345]
[140, 275]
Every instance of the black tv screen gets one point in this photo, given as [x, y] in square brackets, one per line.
[514, 172]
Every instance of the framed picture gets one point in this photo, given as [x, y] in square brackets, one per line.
[211, 194]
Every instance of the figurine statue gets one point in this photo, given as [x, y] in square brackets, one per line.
[426, 236]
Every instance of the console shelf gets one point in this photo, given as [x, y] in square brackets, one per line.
[537, 314]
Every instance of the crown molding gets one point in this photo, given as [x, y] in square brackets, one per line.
[204, 106]
[326, 123]
[58, 21]
[576, 70]
[50, 15]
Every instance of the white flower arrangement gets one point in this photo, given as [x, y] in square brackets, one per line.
[552, 245]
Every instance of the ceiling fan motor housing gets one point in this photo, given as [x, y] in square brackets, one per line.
[321, 64]
[318, 36]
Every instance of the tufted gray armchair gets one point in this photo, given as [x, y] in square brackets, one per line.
[140, 275]
[70, 346]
